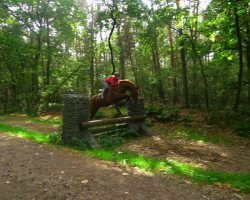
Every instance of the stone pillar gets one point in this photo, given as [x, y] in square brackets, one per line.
[75, 110]
[137, 109]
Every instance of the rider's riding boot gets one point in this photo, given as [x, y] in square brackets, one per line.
[105, 91]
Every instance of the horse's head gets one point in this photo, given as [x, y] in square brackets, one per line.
[134, 93]
[131, 87]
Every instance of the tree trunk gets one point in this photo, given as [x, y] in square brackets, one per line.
[49, 57]
[113, 8]
[122, 53]
[240, 73]
[173, 64]
[183, 65]
[194, 35]
[92, 54]
[34, 98]
[246, 17]
[202, 72]
[184, 72]
[157, 66]
[129, 47]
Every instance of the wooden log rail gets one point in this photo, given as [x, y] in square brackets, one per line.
[86, 125]
[103, 130]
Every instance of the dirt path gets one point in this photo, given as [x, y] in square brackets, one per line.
[31, 170]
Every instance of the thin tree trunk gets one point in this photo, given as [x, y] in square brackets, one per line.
[35, 98]
[129, 46]
[202, 72]
[49, 57]
[240, 73]
[157, 66]
[110, 35]
[184, 72]
[194, 33]
[173, 64]
[183, 66]
[92, 54]
[248, 53]
[122, 53]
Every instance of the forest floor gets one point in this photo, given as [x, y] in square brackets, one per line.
[30, 170]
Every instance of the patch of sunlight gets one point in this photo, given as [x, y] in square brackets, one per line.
[183, 169]
[142, 171]
[33, 136]
[20, 132]
[156, 138]
[140, 162]
[180, 133]
[224, 154]
[46, 117]
[101, 154]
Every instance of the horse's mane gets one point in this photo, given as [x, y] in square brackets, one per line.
[128, 83]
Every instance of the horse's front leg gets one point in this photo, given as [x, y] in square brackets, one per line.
[93, 111]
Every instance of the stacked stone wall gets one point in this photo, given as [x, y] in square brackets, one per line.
[75, 110]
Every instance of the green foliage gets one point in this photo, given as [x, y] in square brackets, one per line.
[100, 114]
[162, 113]
[79, 143]
[240, 122]
[193, 134]
[115, 138]
[53, 121]
[242, 128]
[49, 107]
[221, 118]
[55, 138]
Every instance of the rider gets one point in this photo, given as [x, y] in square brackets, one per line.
[111, 81]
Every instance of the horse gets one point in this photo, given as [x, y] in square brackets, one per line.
[125, 90]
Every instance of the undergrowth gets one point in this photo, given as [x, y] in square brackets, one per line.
[239, 122]
[190, 133]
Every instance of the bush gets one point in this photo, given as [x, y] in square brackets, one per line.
[55, 138]
[162, 113]
[115, 138]
[79, 143]
[243, 128]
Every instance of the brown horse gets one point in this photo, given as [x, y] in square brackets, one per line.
[125, 90]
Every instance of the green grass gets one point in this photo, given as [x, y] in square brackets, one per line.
[55, 121]
[24, 133]
[235, 180]
[206, 176]
[193, 134]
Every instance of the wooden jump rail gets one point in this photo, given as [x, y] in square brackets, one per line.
[85, 125]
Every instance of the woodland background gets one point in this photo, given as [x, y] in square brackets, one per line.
[179, 53]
